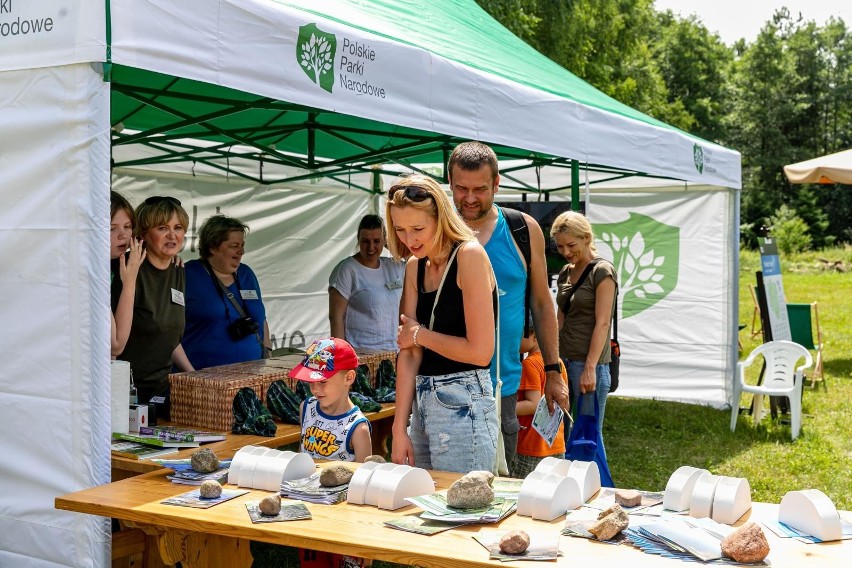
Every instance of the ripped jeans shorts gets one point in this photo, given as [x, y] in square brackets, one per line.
[454, 422]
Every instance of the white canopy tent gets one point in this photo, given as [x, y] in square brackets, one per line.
[833, 168]
[323, 96]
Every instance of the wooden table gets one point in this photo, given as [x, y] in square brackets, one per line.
[219, 536]
[381, 423]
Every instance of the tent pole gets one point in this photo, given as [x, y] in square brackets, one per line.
[575, 185]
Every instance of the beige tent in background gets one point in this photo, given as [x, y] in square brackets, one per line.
[834, 168]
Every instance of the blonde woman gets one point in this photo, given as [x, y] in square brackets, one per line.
[584, 317]
[446, 340]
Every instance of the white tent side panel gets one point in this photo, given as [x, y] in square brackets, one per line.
[254, 46]
[677, 283]
[54, 341]
[297, 235]
[48, 33]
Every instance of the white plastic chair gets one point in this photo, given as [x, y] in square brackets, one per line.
[781, 378]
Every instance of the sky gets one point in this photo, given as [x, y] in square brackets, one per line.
[735, 19]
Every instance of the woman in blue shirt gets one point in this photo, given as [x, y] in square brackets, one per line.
[216, 332]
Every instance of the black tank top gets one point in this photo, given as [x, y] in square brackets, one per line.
[449, 319]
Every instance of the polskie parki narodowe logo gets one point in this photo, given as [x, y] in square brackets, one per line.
[316, 53]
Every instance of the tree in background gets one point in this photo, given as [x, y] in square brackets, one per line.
[784, 98]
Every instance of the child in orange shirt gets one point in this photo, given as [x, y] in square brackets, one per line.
[531, 446]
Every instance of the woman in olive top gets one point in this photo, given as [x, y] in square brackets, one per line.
[158, 312]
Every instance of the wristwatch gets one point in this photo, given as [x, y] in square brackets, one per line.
[552, 367]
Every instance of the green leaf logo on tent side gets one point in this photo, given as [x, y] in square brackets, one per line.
[646, 255]
[698, 157]
[315, 51]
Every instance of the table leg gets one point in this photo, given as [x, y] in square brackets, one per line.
[198, 550]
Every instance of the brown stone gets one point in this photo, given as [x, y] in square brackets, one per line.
[210, 489]
[514, 542]
[628, 497]
[204, 461]
[610, 523]
[270, 506]
[472, 491]
[747, 544]
[335, 475]
[375, 458]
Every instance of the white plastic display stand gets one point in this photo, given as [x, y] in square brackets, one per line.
[358, 484]
[265, 468]
[701, 504]
[679, 488]
[547, 496]
[732, 500]
[812, 512]
[387, 485]
[588, 477]
[551, 465]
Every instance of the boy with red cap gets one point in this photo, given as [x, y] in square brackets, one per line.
[333, 428]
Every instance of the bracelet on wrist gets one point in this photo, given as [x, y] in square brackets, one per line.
[414, 336]
[552, 367]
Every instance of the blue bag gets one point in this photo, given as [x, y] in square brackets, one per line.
[585, 443]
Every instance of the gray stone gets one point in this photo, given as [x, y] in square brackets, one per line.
[204, 461]
[270, 506]
[610, 522]
[747, 544]
[628, 497]
[470, 492]
[210, 489]
[375, 458]
[335, 475]
[514, 542]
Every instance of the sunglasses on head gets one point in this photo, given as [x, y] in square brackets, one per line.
[412, 192]
[155, 199]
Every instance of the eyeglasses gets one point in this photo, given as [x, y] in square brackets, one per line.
[156, 199]
[412, 192]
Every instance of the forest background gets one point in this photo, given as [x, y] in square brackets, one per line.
[783, 98]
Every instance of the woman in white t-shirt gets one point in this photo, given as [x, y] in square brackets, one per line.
[364, 292]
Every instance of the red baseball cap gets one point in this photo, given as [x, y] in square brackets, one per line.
[324, 358]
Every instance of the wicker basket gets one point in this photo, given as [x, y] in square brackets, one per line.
[204, 399]
[373, 359]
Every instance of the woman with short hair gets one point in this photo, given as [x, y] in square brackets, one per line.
[153, 347]
[225, 315]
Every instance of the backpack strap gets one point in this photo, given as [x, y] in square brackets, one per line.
[521, 233]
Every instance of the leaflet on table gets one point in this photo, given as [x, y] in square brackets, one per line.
[291, 512]
[153, 440]
[195, 500]
[137, 451]
[543, 546]
[416, 524]
[545, 423]
[435, 508]
[606, 499]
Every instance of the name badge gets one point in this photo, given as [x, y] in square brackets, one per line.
[395, 285]
[177, 297]
[248, 294]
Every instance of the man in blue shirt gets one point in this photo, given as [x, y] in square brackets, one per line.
[474, 180]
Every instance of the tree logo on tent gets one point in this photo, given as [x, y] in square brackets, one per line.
[698, 157]
[646, 255]
[315, 51]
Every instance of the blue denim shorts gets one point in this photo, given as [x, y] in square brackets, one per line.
[454, 423]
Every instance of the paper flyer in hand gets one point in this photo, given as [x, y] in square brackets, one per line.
[545, 423]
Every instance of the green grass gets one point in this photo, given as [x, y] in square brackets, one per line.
[647, 440]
